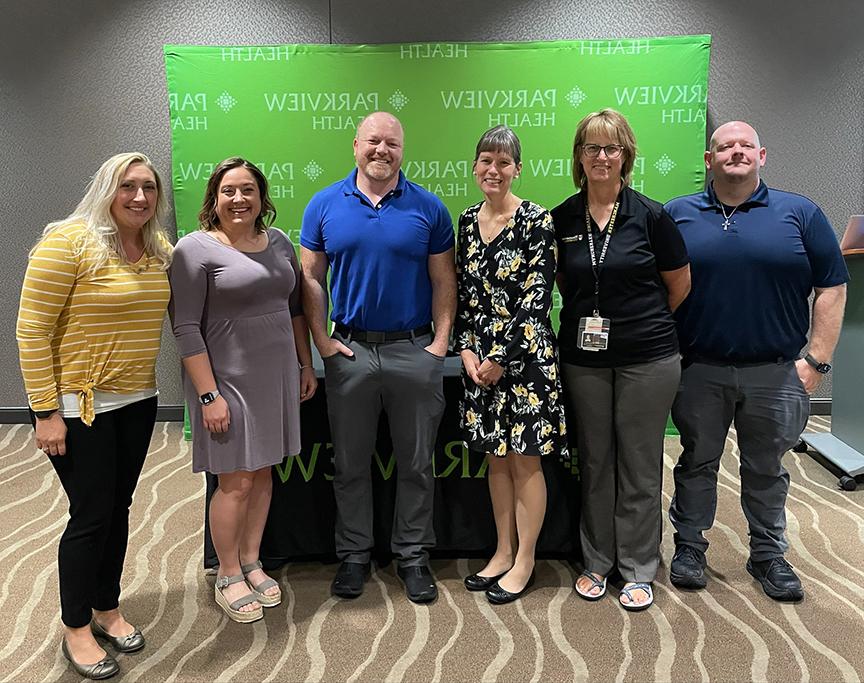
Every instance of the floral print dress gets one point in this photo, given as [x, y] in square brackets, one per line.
[505, 297]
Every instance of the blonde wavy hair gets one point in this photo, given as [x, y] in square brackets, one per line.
[94, 212]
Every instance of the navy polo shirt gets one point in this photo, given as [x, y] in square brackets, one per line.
[378, 254]
[751, 282]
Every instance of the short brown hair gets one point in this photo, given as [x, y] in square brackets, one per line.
[500, 139]
[207, 218]
[612, 124]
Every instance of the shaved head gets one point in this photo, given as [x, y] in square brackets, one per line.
[734, 158]
[378, 151]
[380, 117]
[738, 127]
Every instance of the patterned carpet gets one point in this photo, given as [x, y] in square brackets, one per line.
[730, 632]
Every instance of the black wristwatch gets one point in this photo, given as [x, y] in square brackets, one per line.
[209, 397]
[821, 368]
[44, 414]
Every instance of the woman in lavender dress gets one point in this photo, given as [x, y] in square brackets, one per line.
[247, 364]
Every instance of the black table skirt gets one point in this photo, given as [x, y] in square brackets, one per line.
[301, 520]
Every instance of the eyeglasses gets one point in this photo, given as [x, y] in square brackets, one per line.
[612, 151]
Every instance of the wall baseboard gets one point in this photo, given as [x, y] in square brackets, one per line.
[818, 406]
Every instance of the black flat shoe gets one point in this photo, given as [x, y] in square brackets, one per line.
[476, 582]
[498, 596]
[419, 584]
[131, 643]
[349, 579]
[104, 668]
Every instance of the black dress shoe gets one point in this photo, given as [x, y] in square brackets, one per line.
[131, 643]
[688, 568]
[778, 579]
[476, 582]
[104, 668]
[419, 585]
[498, 596]
[349, 579]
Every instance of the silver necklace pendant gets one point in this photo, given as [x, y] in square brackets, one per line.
[727, 220]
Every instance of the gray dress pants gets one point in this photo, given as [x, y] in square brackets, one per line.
[407, 382]
[621, 416]
[770, 408]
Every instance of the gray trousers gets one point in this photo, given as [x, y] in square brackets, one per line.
[770, 408]
[621, 416]
[407, 382]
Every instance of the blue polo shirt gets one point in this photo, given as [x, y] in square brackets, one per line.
[378, 254]
[751, 282]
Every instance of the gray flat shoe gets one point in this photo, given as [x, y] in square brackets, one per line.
[131, 643]
[104, 668]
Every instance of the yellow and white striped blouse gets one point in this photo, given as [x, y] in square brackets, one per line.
[81, 330]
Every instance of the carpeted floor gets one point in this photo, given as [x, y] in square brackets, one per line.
[730, 632]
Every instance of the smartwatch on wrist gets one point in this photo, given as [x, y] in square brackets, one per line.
[209, 397]
[821, 368]
[44, 414]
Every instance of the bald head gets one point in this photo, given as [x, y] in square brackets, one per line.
[378, 152]
[738, 129]
[734, 158]
[379, 117]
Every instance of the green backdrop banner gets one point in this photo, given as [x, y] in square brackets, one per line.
[293, 110]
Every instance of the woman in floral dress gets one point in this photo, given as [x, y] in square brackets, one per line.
[512, 410]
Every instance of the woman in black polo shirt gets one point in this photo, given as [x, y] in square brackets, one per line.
[620, 280]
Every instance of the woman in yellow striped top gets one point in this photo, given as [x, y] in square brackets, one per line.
[89, 327]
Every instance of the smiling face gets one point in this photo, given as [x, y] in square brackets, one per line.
[378, 148]
[238, 199]
[494, 172]
[601, 169]
[735, 156]
[135, 201]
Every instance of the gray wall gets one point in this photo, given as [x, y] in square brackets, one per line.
[82, 80]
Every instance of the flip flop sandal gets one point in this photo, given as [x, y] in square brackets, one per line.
[260, 595]
[631, 605]
[233, 609]
[595, 583]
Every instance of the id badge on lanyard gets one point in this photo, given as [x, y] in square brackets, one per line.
[593, 332]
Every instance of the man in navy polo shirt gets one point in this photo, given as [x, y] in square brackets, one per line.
[756, 255]
[389, 246]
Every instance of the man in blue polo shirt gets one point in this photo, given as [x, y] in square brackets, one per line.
[389, 246]
[756, 255]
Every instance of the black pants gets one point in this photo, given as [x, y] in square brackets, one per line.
[99, 473]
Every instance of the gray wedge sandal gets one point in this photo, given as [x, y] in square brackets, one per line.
[263, 598]
[233, 609]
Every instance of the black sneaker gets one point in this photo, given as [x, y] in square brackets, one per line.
[688, 568]
[419, 585]
[778, 579]
[349, 579]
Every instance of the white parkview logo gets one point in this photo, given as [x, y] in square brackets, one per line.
[225, 101]
[313, 170]
[576, 96]
[398, 100]
[664, 164]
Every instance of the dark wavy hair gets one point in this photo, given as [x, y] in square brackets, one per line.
[207, 218]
